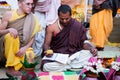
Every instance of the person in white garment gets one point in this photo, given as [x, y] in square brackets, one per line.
[46, 12]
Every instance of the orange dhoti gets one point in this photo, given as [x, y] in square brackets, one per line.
[101, 25]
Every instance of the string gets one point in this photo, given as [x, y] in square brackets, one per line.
[59, 25]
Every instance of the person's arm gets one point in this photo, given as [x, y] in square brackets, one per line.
[12, 31]
[30, 43]
[3, 32]
[48, 38]
[4, 23]
[88, 46]
[23, 49]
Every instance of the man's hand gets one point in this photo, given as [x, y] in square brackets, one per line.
[48, 53]
[21, 52]
[94, 51]
[13, 32]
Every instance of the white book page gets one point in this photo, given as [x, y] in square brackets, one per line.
[62, 58]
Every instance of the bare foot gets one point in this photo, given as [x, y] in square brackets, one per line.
[13, 72]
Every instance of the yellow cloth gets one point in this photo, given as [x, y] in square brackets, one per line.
[78, 11]
[101, 25]
[37, 26]
[15, 15]
[78, 8]
[12, 45]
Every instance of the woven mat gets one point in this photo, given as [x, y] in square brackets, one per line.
[68, 75]
[74, 75]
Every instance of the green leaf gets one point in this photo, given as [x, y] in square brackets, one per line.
[26, 64]
[11, 77]
[24, 73]
[8, 75]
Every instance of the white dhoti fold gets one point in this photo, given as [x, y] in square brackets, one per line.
[77, 60]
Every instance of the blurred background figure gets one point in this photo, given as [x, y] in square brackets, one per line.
[46, 13]
[101, 21]
[78, 8]
[13, 3]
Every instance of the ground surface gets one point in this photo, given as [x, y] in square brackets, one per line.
[107, 48]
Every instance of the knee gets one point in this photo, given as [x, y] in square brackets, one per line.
[10, 38]
[46, 67]
[8, 35]
[54, 66]
[49, 67]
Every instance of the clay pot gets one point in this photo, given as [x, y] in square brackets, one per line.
[117, 73]
[29, 74]
[91, 75]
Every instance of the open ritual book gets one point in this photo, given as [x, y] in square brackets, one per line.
[62, 58]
